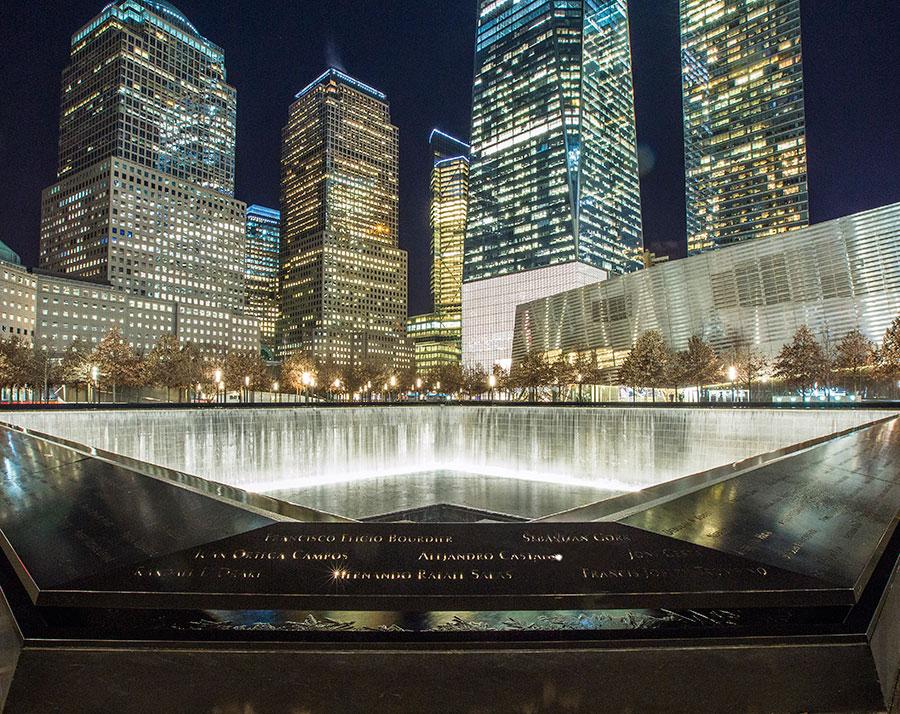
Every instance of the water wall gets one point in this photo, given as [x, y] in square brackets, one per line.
[601, 447]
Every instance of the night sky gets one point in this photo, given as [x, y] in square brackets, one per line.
[420, 53]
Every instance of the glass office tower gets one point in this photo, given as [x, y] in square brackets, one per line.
[744, 123]
[554, 181]
[261, 271]
[343, 278]
[144, 197]
[436, 335]
[448, 209]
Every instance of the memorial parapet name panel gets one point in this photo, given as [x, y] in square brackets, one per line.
[87, 516]
[441, 566]
[827, 512]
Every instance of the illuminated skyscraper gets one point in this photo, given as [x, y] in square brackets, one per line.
[343, 278]
[555, 200]
[144, 199]
[744, 123]
[261, 271]
[436, 335]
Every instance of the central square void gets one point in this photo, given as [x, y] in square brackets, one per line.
[442, 462]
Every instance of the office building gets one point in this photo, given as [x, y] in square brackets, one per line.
[261, 272]
[744, 122]
[554, 197]
[143, 200]
[343, 277]
[437, 335]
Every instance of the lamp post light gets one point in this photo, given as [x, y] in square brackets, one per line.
[732, 376]
[95, 376]
[221, 391]
[336, 385]
[492, 383]
[217, 378]
[246, 388]
[275, 389]
[46, 394]
[578, 378]
[197, 392]
[306, 379]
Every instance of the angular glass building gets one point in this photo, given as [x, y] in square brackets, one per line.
[144, 197]
[436, 336]
[261, 271]
[554, 179]
[744, 122]
[343, 277]
[833, 277]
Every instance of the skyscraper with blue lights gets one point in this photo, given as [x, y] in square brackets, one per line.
[554, 197]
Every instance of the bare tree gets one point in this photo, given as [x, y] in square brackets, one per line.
[698, 365]
[75, 368]
[802, 362]
[854, 354]
[297, 370]
[164, 365]
[888, 358]
[647, 364]
[530, 374]
[750, 364]
[117, 362]
[474, 381]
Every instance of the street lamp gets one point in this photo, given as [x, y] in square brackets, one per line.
[197, 393]
[46, 367]
[336, 385]
[732, 376]
[578, 378]
[221, 391]
[492, 382]
[95, 376]
[275, 389]
[217, 378]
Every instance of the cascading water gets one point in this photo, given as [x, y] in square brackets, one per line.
[365, 461]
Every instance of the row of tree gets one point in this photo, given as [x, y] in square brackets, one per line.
[853, 363]
[113, 364]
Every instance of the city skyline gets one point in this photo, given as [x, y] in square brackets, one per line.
[846, 136]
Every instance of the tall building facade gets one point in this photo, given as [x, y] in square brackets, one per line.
[744, 121]
[437, 336]
[555, 197]
[144, 197]
[261, 271]
[343, 276]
